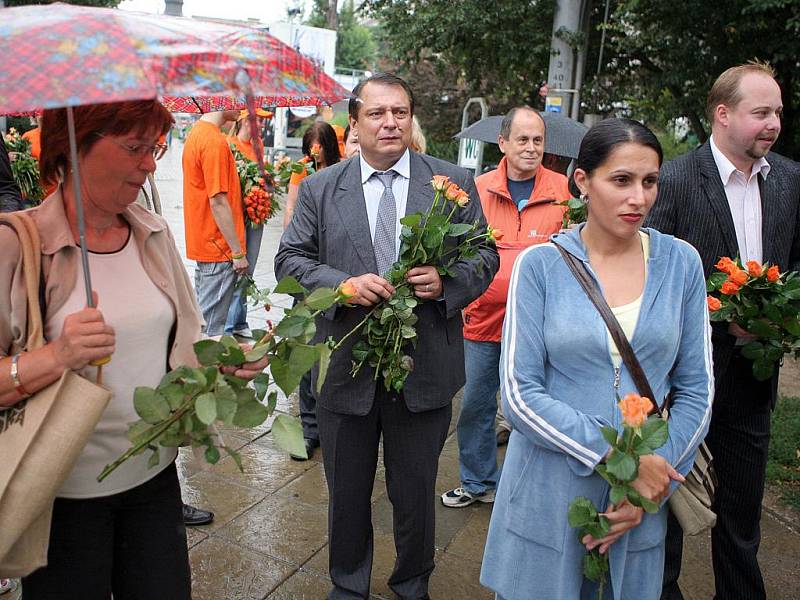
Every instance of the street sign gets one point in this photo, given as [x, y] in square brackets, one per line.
[553, 104]
[469, 152]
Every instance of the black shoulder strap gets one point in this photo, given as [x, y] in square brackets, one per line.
[620, 340]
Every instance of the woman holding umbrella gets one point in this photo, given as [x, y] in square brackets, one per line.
[124, 536]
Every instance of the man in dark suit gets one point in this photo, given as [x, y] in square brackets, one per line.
[732, 197]
[346, 228]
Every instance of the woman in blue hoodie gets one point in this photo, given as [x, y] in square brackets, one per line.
[561, 375]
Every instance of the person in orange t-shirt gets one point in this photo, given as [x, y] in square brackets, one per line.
[241, 137]
[320, 148]
[34, 136]
[213, 217]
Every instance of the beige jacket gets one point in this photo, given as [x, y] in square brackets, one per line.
[61, 254]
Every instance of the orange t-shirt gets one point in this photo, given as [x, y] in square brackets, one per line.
[298, 177]
[34, 136]
[208, 170]
[245, 148]
[339, 138]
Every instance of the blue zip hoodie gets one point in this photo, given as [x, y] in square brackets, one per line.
[558, 389]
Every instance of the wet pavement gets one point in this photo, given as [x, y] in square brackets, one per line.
[269, 540]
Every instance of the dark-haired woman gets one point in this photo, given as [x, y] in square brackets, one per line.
[320, 149]
[561, 375]
[124, 536]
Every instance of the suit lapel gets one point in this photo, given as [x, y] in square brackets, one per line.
[715, 193]
[352, 208]
[420, 193]
[770, 215]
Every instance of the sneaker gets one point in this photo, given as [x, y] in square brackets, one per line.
[459, 497]
[244, 333]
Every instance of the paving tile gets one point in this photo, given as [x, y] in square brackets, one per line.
[266, 466]
[195, 535]
[219, 494]
[302, 586]
[280, 527]
[456, 577]
[469, 539]
[225, 571]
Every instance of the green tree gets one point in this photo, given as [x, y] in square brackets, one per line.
[501, 49]
[662, 58]
[355, 45]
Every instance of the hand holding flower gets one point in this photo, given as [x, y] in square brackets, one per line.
[368, 289]
[247, 370]
[654, 478]
[622, 517]
[426, 281]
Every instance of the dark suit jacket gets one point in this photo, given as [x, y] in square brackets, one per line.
[10, 198]
[329, 241]
[692, 205]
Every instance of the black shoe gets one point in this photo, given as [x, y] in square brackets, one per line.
[193, 516]
[311, 444]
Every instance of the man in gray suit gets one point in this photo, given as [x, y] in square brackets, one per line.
[346, 228]
[733, 197]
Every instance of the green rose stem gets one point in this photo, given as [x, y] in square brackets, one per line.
[153, 434]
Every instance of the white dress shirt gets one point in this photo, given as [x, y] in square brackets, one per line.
[744, 199]
[373, 190]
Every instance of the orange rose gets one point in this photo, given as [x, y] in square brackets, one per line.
[754, 268]
[451, 193]
[714, 304]
[347, 289]
[773, 274]
[738, 276]
[495, 234]
[315, 150]
[635, 409]
[462, 198]
[440, 183]
[726, 265]
[729, 288]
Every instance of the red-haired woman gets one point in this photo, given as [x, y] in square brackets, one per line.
[124, 536]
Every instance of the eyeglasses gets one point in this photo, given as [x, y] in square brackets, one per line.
[139, 151]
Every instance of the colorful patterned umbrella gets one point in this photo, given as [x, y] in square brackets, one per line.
[59, 55]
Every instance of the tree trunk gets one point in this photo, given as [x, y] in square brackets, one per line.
[332, 15]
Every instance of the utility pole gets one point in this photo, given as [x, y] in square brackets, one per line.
[173, 8]
[565, 74]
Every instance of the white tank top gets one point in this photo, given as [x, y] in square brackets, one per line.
[628, 314]
[142, 317]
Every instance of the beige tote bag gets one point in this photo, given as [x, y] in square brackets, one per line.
[41, 436]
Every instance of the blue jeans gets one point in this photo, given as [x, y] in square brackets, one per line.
[237, 314]
[477, 444]
[213, 284]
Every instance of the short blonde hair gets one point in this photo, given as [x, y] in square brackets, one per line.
[418, 143]
[726, 88]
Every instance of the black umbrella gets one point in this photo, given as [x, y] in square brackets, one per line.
[563, 135]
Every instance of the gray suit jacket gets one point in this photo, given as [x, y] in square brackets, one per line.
[329, 240]
[692, 205]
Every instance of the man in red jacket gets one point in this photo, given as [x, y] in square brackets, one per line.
[519, 198]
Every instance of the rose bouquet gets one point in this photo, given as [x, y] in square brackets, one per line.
[24, 168]
[640, 436]
[388, 329]
[185, 406]
[764, 302]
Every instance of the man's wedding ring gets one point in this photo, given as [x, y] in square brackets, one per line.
[427, 287]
